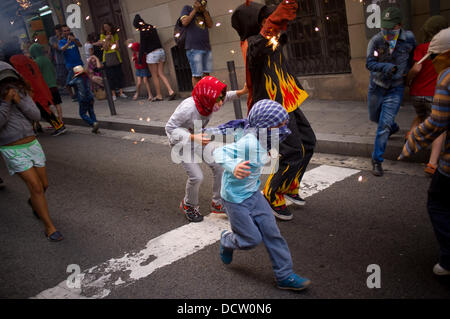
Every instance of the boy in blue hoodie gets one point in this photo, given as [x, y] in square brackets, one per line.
[249, 213]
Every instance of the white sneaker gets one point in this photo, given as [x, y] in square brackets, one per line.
[114, 97]
[438, 270]
[123, 96]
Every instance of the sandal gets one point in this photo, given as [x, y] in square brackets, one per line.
[150, 98]
[135, 97]
[430, 169]
[157, 99]
[56, 236]
[172, 96]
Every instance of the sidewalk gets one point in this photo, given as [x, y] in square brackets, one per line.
[341, 127]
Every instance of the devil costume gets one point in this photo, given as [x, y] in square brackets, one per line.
[268, 77]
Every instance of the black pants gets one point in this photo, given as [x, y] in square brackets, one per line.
[439, 210]
[114, 76]
[50, 117]
[295, 153]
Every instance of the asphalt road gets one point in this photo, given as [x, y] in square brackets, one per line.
[110, 196]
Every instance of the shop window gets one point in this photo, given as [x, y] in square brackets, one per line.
[318, 38]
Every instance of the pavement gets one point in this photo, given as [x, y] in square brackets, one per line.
[341, 127]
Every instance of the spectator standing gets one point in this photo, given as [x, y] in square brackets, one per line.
[142, 72]
[197, 20]
[151, 47]
[422, 82]
[69, 46]
[112, 59]
[434, 126]
[57, 57]
[389, 58]
[49, 73]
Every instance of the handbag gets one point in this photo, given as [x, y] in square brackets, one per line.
[111, 59]
[100, 94]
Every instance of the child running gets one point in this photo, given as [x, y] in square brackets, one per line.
[249, 213]
[85, 97]
[208, 96]
[19, 147]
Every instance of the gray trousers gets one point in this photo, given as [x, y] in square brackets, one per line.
[195, 178]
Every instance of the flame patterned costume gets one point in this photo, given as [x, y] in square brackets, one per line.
[268, 77]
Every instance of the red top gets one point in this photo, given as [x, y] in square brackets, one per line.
[29, 70]
[139, 66]
[424, 83]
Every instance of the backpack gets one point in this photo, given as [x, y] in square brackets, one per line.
[179, 34]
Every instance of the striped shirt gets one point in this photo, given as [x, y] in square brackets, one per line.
[435, 125]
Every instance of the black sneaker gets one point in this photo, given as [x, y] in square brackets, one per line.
[1, 183]
[59, 131]
[192, 213]
[295, 199]
[281, 212]
[377, 169]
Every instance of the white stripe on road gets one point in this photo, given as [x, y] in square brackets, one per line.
[99, 281]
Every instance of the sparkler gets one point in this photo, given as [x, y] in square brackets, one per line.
[360, 178]
[133, 131]
[113, 47]
[273, 41]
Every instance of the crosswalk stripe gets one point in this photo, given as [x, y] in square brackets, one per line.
[99, 281]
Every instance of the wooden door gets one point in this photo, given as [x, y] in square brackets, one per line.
[109, 11]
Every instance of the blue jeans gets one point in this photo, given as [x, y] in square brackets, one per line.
[87, 107]
[200, 62]
[252, 221]
[383, 108]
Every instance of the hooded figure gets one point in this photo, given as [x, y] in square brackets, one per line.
[149, 39]
[268, 77]
[45, 65]
[140, 64]
[206, 93]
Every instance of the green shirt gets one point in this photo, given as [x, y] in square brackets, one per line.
[115, 39]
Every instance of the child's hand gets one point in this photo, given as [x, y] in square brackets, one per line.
[243, 91]
[242, 170]
[12, 96]
[200, 138]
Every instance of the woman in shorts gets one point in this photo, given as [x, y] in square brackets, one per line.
[19, 147]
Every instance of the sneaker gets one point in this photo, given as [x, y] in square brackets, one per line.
[281, 212]
[295, 199]
[114, 98]
[377, 169]
[192, 213]
[440, 271]
[217, 208]
[294, 282]
[95, 127]
[123, 96]
[59, 131]
[225, 254]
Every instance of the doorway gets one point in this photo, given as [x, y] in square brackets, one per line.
[109, 11]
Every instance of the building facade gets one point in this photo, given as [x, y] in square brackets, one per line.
[327, 41]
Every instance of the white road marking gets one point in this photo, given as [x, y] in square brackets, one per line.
[100, 280]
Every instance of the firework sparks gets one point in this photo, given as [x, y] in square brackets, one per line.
[132, 130]
[113, 47]
[360, 179]
[273, 42]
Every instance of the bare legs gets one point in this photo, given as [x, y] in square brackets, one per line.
[36, 180]
[157, 70]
